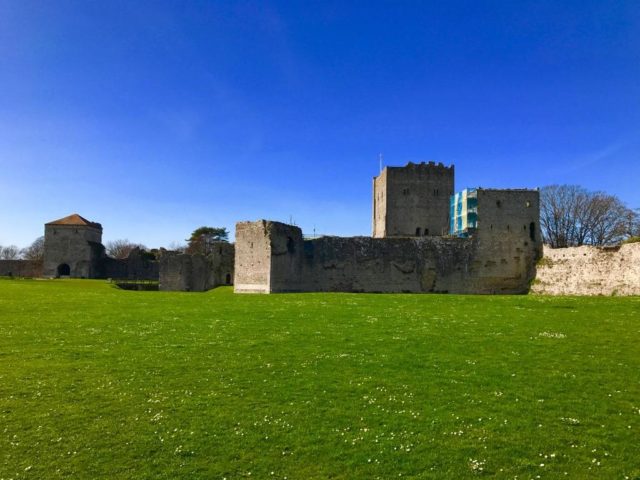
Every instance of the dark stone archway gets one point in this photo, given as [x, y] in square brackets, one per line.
[64, 270]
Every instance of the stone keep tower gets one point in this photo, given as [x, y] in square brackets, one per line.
[412, 200]
[72, 248]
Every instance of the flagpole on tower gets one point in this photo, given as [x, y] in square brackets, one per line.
[380, 160]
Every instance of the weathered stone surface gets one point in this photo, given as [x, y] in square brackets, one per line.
[412, 200]
[137, 266]
[76, 249]
[20, 268]
[499, 258]
[198, 273]
[589, 270]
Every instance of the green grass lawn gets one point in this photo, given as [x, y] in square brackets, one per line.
[97, 382]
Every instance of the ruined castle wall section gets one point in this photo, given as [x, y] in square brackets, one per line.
[273, 257]
[137, 266]
[363, 264]
[175, 269]
[589, 270]
[417, 199]
[79, 247]
[115, 268]
[197, 273]
[287, 254]
[186, 273]
[252, 258]
[21, 268]
[509, 240]
[380, 205]
[222, 261]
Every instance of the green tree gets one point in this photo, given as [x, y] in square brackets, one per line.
[202, 239]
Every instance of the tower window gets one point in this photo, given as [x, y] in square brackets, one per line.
[418, 232]
[291, 246]
[405, 191]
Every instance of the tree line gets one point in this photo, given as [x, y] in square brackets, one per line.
[35, 251]
[571, 216]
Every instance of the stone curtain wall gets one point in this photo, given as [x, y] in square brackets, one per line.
[273, 257]
[20, 268]
[197, 273]
[134, 267]
[589, 270]
[187, 273]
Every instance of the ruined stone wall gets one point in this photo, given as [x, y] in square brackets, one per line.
[253, 254]
[273, 257]
[589, 270]
[21, 268]
[197, 273]
[509, 240]
[187, 273]
[224, 263]
[413, 200]
[380, 204]
[135, 267]
[79, 247]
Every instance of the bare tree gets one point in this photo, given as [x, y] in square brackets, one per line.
[572, 216]
[10, 252]
[35, 251]
[122, 248]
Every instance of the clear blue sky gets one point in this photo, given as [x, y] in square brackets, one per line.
[154, 118]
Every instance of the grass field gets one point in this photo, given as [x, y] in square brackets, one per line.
[97, 382]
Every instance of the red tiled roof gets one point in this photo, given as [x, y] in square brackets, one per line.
[75, 219]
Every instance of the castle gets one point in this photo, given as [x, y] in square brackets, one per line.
[425, 239]
[73, 248]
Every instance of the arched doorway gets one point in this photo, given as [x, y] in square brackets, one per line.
[64, 270]
[227, 279]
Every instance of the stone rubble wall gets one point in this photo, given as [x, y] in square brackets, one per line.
[21, 268]
[272, 257]
[197, 273]
[589, 270]
[135, 267]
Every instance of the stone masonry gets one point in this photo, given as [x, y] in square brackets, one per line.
[589, 270]
[72, 248]
[412, 200]
[198, 273]
[500, 257]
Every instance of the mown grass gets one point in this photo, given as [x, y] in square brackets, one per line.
[97, 382]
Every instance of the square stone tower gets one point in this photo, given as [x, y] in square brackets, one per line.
[412, 201]
[72, 248]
